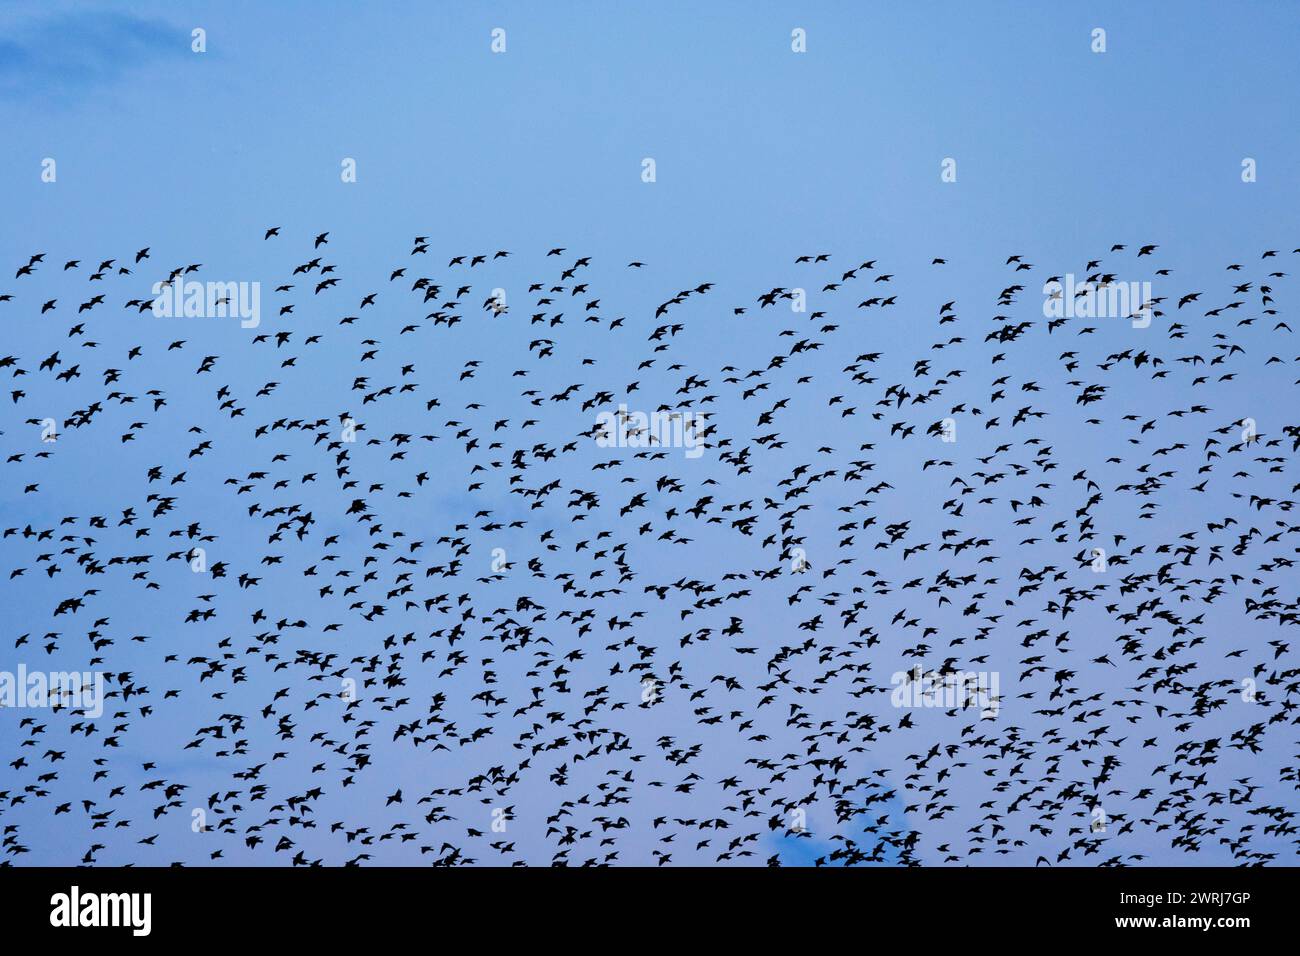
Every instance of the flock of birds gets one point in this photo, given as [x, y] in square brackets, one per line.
[364, 586]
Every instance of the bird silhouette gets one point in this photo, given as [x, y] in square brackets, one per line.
[697, 573]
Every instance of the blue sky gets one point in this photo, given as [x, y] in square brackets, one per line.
[761, 154]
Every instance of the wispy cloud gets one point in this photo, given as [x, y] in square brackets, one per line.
[70, 55]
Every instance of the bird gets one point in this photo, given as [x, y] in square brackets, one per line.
[670, 581]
